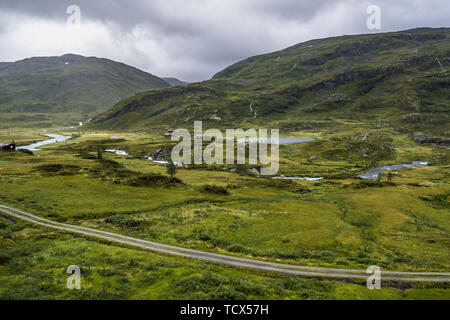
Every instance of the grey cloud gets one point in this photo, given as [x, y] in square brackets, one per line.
[193, 39]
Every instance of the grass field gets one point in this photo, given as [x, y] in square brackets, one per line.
[400, 222]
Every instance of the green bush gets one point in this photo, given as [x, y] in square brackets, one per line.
[215, 190]
[58, 169]
[124, 221]
[5, 256]
[152, 180]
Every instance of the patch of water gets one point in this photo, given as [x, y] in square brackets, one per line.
[298, 178]
[119, 152]
[373, 173]
[280, 140]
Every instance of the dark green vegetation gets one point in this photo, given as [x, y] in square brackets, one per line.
[398, 78]
[46, 90]
[33, 263]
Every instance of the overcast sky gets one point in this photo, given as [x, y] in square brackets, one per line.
[194, 39]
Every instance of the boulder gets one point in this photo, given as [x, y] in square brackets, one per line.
[160, 154]
[413, 117]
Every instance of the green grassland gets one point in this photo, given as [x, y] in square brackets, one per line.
[47, 91]
[400, 223]
[400, 78]
[33, 262]
[363, 97]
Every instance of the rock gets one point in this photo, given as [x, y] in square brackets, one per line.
[413, 117]
[254, 171]
[160, 154]
[434, 140]
[214, 117]
[422, 138]
[419, 136]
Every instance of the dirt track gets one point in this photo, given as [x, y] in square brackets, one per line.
[228, 260]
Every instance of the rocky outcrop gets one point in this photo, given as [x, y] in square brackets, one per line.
[422, 138]
[160, 154]
[413, 117]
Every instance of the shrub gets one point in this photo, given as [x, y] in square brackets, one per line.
[227, 294]
[205, 283]
[152, 180]
[171, 168]
[215, 190]
[204, 237]
[438, 201]
[238, 249]
[58, 169]
[124, 221]
[5, 256]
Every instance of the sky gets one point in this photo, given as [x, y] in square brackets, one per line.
[194, 39]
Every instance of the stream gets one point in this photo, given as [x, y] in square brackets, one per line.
[373, 173]
[281, 140]
[54, 139]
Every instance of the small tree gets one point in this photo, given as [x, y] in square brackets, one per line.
[171, 168]
[389, 176]
[99, 153]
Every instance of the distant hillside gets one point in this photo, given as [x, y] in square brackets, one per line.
[45, 90]
[401, 77]
[175, 82]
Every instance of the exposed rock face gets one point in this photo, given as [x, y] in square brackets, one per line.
[160, 154]
[413, 117]
[422, 138]
[435, 141]
[419, 136]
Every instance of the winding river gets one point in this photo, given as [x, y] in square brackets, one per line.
[54, 139]
[371, 174]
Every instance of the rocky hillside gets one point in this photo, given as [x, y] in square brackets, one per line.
[399, 77]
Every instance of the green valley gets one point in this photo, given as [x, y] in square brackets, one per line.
[368, 100]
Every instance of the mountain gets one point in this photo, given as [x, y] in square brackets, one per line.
[46, 90]
[400, 77]
[175, 82]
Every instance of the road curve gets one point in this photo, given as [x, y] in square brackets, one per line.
[224, 259]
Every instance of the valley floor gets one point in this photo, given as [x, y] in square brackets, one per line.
[398, 222]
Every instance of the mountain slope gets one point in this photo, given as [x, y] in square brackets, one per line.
[175, 82]
[401, 76]
[45, 89]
